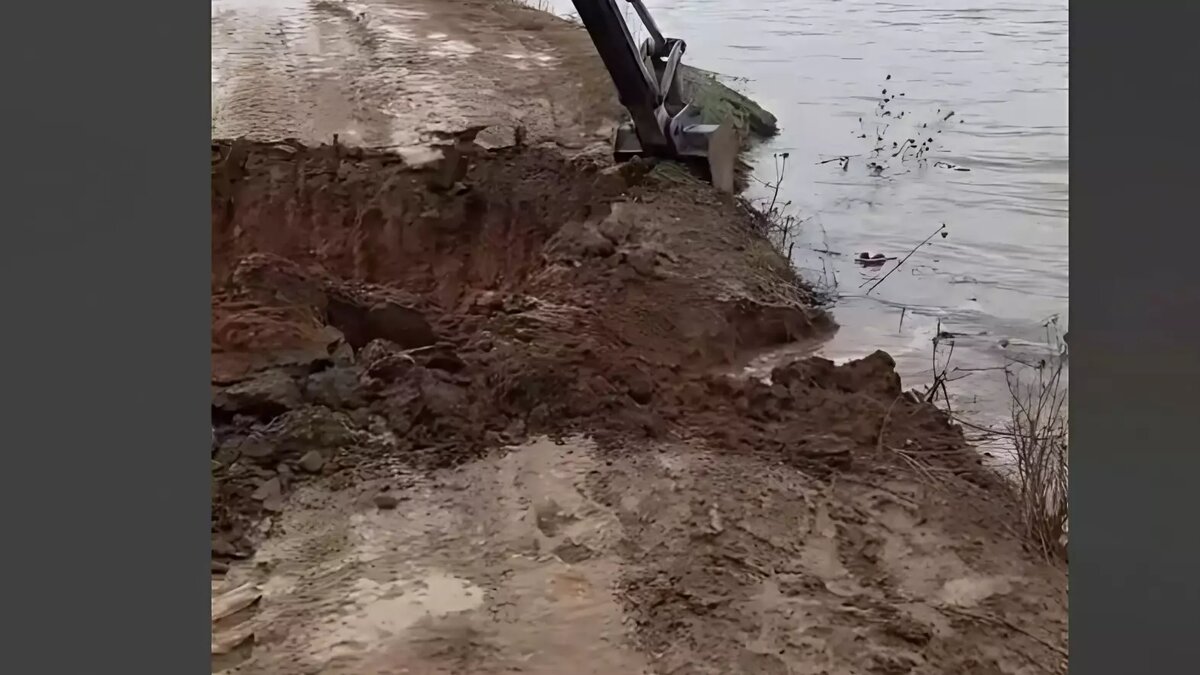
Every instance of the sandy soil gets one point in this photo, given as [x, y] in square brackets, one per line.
[482, 414]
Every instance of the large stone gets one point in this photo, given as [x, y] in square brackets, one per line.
[442, 398]
[269, 489]
[336, 388]
[386, 502]
[312, 461]
[385, 361]
[313, 427]
[618, 225]
[575, 241]
[643, 260]
[268, 394]
[279, 281]
[383, 320]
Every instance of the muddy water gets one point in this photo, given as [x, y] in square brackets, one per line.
[1001, 67]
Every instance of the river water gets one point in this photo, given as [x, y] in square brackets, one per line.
[1001, 67]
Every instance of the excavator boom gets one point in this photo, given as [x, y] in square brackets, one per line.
[661, 123]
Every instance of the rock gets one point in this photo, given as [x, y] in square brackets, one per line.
[874, 375]
[384, 320]
[579, 240]
[450, 169]
[572, 553]
[267, 394]
[488, 301]
[312, 461]
[335, 388]
[441, 398]
[285, 476]
[258, 449]
[270, 494]
[386, 502]
[278, 280]
[223, 548]
[643, 260]
[594, 244]
[269, 489]
[641, 387]
[314, 427]
[228, 451]
[618, 226]
[385, 361]
[403, 325]
[441, 357]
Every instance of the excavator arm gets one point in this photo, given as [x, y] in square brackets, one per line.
[661, 123]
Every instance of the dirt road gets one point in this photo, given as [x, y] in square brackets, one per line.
[392, 73]
[558, 558]
[472, 414]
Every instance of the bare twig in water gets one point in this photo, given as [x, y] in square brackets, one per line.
[940, 377]
[780, 169]
[941, 230]
[1036, 434]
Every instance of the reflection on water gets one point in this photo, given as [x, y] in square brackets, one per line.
[1001, 67]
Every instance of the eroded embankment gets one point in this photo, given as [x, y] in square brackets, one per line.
[533, 293]
[375, 321]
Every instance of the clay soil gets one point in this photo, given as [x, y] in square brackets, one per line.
[485, 415]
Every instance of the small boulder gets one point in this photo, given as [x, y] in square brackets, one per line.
[386, 502]
[593, 243]
[643, 260]
[268, 394]
[361, 323]
[335, 388]
[617, 226]
[312, 461]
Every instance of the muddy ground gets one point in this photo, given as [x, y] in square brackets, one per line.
[483, 414]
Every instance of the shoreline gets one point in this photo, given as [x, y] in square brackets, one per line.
[392, 339]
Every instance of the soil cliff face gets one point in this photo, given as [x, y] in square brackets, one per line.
[538, 291]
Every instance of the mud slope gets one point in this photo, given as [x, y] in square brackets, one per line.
[470, 418]
[536, 292]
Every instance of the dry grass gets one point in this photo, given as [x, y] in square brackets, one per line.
[1039, 435]
[1034, 438]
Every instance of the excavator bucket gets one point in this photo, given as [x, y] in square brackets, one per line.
[661, 123]
[723, 150]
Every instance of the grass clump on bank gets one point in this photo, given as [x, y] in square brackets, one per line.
[719, 103]
[1038, 430]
